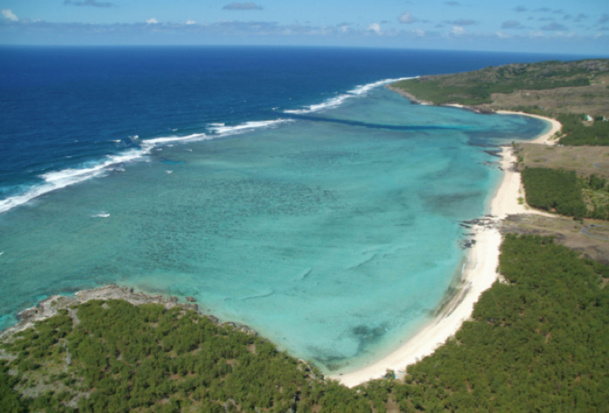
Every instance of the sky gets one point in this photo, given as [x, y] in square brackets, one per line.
[537, 26]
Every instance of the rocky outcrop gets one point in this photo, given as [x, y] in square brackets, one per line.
[51, 306]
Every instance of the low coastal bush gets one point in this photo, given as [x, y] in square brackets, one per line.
[566, 193]
[596, 195]
[537, 342]
[575, 132]
[475, 88]
[554, 190]
[121, 357]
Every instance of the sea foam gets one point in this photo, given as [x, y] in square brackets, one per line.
[340, 99]
[60, 179]
[111, 163]
[224, 130]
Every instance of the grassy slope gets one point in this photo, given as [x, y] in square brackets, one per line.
[562, 90]
[477, 88]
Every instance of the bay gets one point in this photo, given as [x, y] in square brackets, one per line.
[285, 189]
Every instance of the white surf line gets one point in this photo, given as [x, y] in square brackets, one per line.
[338, 100]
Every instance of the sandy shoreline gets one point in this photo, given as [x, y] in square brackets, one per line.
[545, 138]
[479, 274]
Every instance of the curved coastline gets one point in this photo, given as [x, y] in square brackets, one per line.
[478, 275]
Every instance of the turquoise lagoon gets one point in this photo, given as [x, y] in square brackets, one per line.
[333, 232]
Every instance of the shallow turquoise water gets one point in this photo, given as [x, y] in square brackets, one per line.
[334, 234]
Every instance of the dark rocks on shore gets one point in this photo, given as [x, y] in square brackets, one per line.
[467, 243]
[49, 307]
[494, 152]
[28, 314]
[487, 221]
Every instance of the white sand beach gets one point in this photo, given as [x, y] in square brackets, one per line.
[479, 274]
[545, 138]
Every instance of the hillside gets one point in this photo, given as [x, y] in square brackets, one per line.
[577, 95]
[552, 87]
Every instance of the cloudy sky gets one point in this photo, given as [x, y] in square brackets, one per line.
[552, 26]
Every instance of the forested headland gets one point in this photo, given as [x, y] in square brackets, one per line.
[537, 342]
[574, 92]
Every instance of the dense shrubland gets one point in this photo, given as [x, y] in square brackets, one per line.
[565, 193]
[519, 81]
[475, 88]
[554, 190]
[576, 132]
[537, 342]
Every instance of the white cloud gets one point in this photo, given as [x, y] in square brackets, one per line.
[407, 18]
[9, 15]
[457, 30]
[242, 6]
[502, 35]
[374, 27]
[91, 3]
[189, 22]
[152, 21]
[419, 32]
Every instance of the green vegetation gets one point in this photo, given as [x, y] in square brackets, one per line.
[533, 110]
[475, 88]
[575, 132]
[596, 194]
[556, 89]
[563, 192]
[554, 190]
[125, 357]
[537, 342]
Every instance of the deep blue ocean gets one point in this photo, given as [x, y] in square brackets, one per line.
[284, 188]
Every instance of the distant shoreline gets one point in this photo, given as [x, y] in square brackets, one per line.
[478, 275]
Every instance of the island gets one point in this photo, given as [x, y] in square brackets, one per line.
[527, 330]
